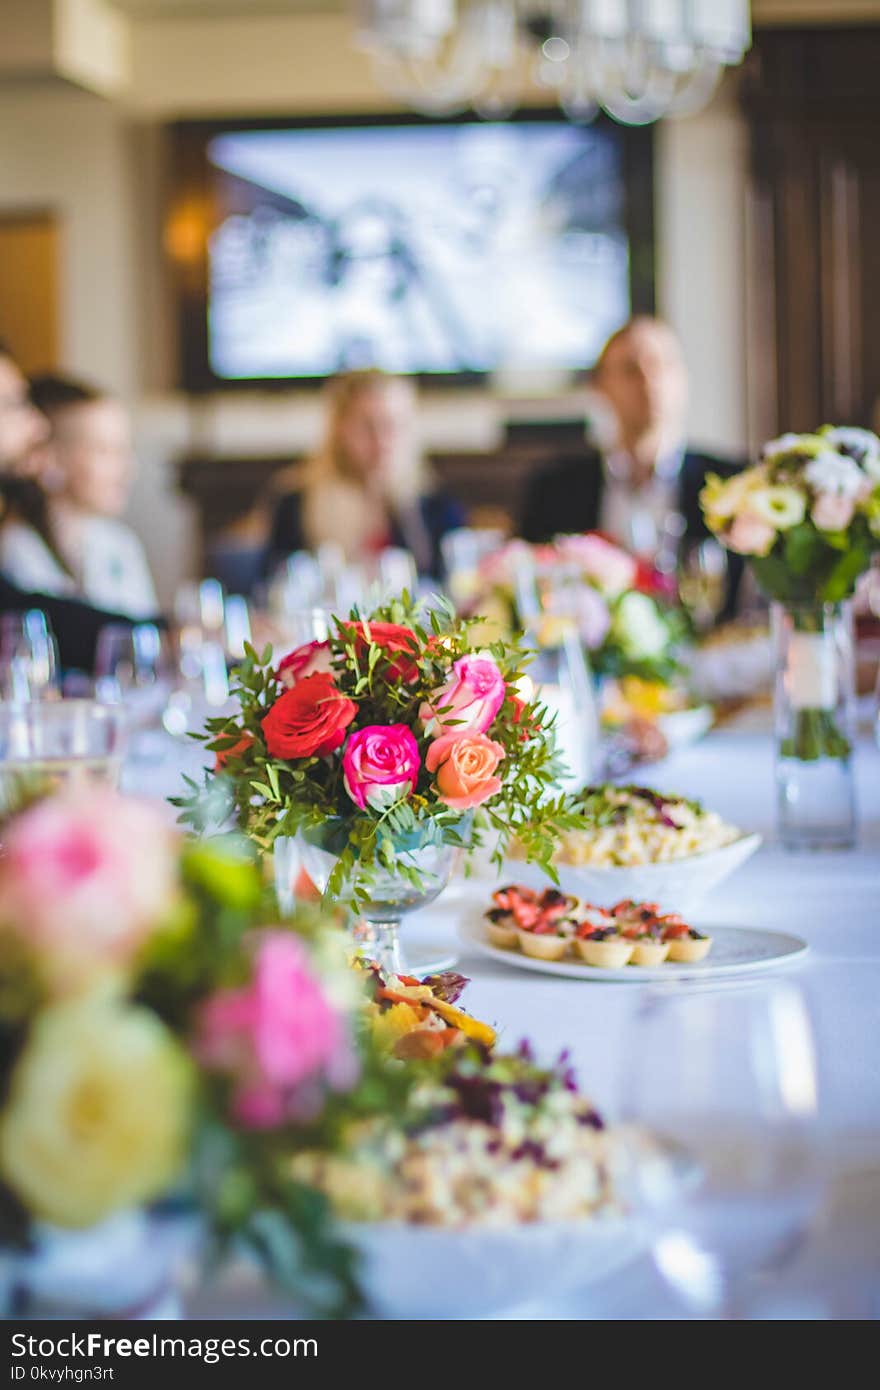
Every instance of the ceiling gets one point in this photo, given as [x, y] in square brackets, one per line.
[763, 11]
[219, 7]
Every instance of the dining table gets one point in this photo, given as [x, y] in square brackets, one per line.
[831, 900]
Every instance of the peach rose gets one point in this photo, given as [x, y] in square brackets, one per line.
[465, 764]
[750, 536]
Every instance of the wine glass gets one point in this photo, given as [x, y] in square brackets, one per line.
[134, 668]
[562, 681]
[463, 551]
[397, 573]
[702, 581]
[45, 745]
[720, 1090]
[29, 668]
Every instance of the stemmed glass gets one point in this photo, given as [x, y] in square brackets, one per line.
[702, 581]
[720, 1088]
[134, 669]
[28, 657]
[463, 551]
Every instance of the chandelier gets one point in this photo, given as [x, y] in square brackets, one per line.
[637, 59]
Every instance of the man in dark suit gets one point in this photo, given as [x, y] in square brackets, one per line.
[644, 490]
[22, 428]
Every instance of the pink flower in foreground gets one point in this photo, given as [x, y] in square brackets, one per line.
[465, 765]
[85, 877]
[470, 699]
[278, 1038]
[380, 765]
[750, 536]
[832, 513]
[304, 661]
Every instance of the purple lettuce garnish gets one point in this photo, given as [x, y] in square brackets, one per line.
[448, 985]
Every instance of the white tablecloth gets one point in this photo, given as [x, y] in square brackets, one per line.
[832, 900]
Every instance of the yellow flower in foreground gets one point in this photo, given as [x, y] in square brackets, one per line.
[97, 1112]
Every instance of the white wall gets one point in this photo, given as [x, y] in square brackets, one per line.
[701, 176]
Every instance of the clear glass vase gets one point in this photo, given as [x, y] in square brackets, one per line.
[814, 708]
[391, 895]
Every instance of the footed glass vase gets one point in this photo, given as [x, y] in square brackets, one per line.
[814, 718]
[391, 895]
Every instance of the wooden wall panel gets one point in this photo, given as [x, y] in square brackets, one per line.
[29, 289]
[814, 235]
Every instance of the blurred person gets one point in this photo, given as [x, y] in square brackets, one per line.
[87, 467]
[645, 475]
[23, 432]
[365, 488]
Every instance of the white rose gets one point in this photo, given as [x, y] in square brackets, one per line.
[861, 445]
[835, 473]
[639, 628]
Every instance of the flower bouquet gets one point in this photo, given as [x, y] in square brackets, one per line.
[808, 518]
[384, 750]
[163, 1033]
[620, 615]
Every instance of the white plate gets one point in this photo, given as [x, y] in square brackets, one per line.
[678, 885]
[735, 951]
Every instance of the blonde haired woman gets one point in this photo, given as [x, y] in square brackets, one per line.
[364, 489]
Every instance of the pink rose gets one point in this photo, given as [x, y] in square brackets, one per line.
[470, 699]
[308, 660]
[465, 764]
[750, 536]
[85, 877]
[380, 765]
[832, 513]
[611, 569]
[278, 1038]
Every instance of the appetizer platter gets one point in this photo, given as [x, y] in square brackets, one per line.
[558, 933]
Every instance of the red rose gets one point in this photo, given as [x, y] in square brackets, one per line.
[399, 644]
[235, 750]
[310, 719]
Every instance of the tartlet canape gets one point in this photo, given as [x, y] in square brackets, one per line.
[598, 939]
[641, 924]
[687, 946]
[541, 924]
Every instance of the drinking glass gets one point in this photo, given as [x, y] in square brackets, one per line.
[702, 581]
[720, 1088]
[397, 573]
[133, 665]
[237, 626]
[463, 552]
[564, 684]
[47, 745]
[28, 657]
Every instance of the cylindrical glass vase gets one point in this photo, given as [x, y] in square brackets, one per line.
[814, 707]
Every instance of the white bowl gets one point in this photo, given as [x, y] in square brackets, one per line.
[678, 885]
[683, 727]
[432, 1272]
